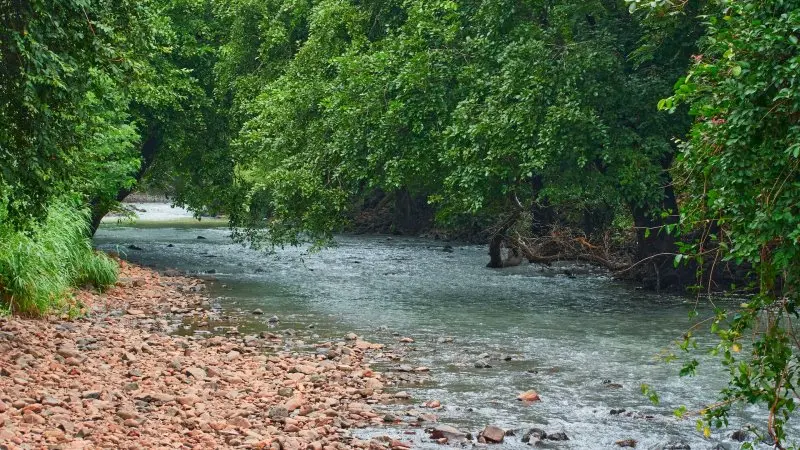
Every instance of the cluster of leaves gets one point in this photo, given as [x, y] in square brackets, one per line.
[480, 106]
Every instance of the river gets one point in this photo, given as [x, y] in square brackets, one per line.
[586, 343]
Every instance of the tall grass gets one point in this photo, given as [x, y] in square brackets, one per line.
[38, 268]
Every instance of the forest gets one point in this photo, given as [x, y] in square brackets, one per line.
[657, 139]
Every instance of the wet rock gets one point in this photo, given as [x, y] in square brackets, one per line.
[529, 396]
[351, 336]
[258, 312]
[535, 434]
[740, 435]
[406, 340]
[134, 247]
[449, 433]
[616, 412]
[493, 434]
[626, 443]
[557, 436]
[273, 320]
[482, 365]
[201, 237]
[400, 395]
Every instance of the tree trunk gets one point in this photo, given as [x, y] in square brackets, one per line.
[496, 243]
[495, 252]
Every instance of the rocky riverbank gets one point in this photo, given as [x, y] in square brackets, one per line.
[115, 377]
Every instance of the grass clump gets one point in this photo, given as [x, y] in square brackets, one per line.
[38, 267]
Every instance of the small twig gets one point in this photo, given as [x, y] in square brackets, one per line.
[88, 21]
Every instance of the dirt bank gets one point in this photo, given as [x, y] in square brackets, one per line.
[116, 378]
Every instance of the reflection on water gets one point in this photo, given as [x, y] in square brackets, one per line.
[585, 344]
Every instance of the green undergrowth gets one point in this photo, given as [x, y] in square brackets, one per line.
[40, 266]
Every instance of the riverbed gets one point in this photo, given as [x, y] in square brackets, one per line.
[583, 341]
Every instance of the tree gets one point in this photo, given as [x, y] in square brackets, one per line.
[739, 166]
[488, 109]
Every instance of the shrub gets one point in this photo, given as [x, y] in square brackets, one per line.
[38, 267]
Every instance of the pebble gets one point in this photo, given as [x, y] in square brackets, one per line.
[130, 384]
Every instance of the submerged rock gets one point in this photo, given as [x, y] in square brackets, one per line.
[557, 436]
[447, 432]
[529, 396]
[534, 434]
[740, 435]
[671, 445]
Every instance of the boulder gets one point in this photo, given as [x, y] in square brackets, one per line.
[535, 434]
[493, 434]
[447, 432]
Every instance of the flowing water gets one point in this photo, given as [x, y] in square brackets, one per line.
[585, 343]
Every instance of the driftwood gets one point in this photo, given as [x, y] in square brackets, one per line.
[567, 248]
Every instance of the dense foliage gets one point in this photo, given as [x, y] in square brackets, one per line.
[740, 162]
[482, 107]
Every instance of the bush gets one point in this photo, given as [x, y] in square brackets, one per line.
[39, 267]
